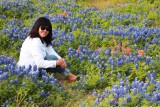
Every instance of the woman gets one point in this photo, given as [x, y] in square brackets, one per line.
[37, 50]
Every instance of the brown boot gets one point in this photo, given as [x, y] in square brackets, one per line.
[72, 77]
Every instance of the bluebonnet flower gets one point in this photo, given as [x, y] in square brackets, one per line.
[136, 66]
[155, 98]
[148, 59]
[90, 61]
[147, 96]
[52, 83]
[145, 85]
[154, 41]
[158, 85]
[153, 81]
[94, 93]
[114, 102]
[134, 91]
[43, 94]
[30, 99]
[34, 78]
[23, 84]
[15, 82]
[4, 76]
[128, 98]
[45, 78]
[1, 77]
[96, 102]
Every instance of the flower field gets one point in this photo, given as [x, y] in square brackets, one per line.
[114, 51]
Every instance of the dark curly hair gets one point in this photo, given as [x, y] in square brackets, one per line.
[42, 21]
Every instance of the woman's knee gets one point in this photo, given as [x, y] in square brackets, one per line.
[51, 57]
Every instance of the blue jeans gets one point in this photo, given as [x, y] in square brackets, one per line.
[58, 68]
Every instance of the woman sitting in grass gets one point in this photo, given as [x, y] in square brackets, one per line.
[37, 50]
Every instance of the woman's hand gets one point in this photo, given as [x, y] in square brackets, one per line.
[61, 62]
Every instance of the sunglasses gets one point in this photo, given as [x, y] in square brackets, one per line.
[44, 27]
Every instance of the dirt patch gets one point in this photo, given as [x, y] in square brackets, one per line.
[102, 4]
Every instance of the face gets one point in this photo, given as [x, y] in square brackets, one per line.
[43, 31]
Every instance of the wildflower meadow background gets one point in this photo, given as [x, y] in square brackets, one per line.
[114, 48]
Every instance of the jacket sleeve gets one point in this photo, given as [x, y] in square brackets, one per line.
[51, 51]
[37, 54]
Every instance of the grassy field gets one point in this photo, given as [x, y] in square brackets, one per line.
[112, 45]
